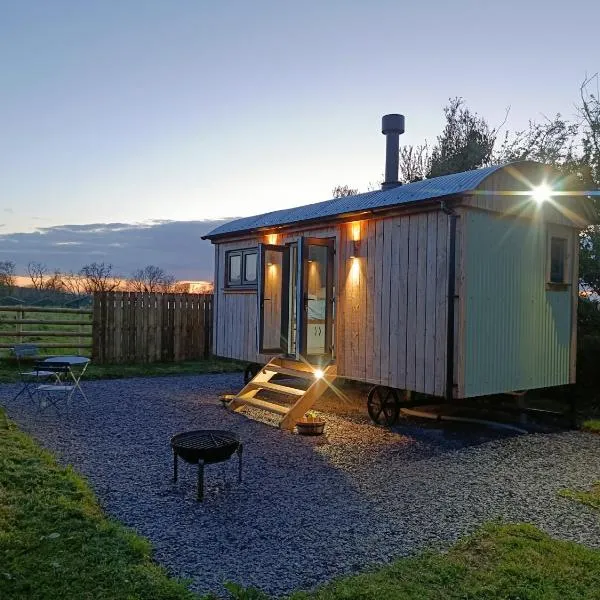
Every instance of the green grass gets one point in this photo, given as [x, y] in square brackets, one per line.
[592, 425]
[55, 543]
[516, 562]
[70, 343]
[590, 497]
[9, 370]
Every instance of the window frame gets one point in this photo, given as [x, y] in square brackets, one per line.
[242, 283]
[557, 232]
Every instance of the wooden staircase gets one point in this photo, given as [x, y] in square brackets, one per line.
[304, 398]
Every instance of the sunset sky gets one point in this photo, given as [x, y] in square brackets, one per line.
[188, 110]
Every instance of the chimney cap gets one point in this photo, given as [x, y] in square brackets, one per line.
[393, 123]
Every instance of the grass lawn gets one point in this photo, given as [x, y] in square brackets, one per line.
[516, 562]
[8, 369]
[590, 497]
[592, 425]
[55, 543]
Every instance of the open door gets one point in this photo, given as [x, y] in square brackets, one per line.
[273, 284]
[317, 292]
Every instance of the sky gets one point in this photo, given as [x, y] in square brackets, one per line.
[145, 112]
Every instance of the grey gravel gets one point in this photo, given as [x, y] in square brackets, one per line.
[309, 509]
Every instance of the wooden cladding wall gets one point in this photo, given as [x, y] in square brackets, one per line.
[235, 322]
[139, 327]
[392, 304]
[391, 301]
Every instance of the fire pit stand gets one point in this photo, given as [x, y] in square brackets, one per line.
[205, 446]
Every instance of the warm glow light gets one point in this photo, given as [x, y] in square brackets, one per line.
[272, 239]
[542, 193]
[355, 231]
[354, 274]
[318, 374]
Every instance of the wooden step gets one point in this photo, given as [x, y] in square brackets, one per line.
[295, 365]
[275, 387]
[291, 372]
[264, 405]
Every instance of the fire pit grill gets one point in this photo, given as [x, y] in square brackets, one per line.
[205, 446]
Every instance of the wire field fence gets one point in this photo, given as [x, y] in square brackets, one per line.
[55, 330]
[131, 327]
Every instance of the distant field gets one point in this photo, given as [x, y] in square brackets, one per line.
[45, 326]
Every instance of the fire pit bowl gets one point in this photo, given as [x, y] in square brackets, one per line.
[205, 446]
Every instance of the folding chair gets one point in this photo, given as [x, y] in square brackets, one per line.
[30, 379]
[50, 394]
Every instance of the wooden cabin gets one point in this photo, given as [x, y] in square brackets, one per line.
[457, 286]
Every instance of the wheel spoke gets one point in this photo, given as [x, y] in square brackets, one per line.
[378, 413]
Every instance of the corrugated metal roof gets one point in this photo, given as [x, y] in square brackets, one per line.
[436, 187]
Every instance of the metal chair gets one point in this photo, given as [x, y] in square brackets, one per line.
[30, 379]
[50, 394]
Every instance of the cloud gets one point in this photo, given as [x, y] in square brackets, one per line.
[174, 246]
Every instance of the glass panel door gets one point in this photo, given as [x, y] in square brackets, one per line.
[318, 297]
[273, 299]
[292, 300]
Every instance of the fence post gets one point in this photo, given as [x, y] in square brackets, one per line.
[20, 317]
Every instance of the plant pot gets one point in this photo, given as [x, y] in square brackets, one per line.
[310, 426]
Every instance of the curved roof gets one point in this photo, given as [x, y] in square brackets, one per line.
[427, 189]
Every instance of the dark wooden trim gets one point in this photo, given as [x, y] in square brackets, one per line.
[552, 286]
[241, 290]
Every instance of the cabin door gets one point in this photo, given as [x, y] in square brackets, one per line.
[316, 299]
[273, 286]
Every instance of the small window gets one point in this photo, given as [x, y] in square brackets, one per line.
[241, 266]
[250, 267]
[558, 260]
[235, 269]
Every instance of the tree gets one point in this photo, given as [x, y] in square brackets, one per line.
[98, 277]
[589, 111]
[55, 282]
[341, 191]
[552, 141]
[151, 279]
[37, 273]
[466, 143]
[73, 283]
[7, 274]
[414, 163]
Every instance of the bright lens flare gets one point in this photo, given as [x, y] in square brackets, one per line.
[542, 193]
[318, 374]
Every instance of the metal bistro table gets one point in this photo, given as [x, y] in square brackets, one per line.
[205, 446]
[80, 362]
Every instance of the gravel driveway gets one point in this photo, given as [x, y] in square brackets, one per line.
[309, 509]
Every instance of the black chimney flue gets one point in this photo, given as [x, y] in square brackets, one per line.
[391, 126]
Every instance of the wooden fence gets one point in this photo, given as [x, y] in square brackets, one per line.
[139, 327]
[68, 329]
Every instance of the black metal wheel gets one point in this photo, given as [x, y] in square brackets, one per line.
[383, 405]
[250, 372]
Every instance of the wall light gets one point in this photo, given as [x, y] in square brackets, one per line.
[542, 193]
[272, 239]
[355, 249]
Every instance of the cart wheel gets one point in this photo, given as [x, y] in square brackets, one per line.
[250, 372]
[383, 405]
